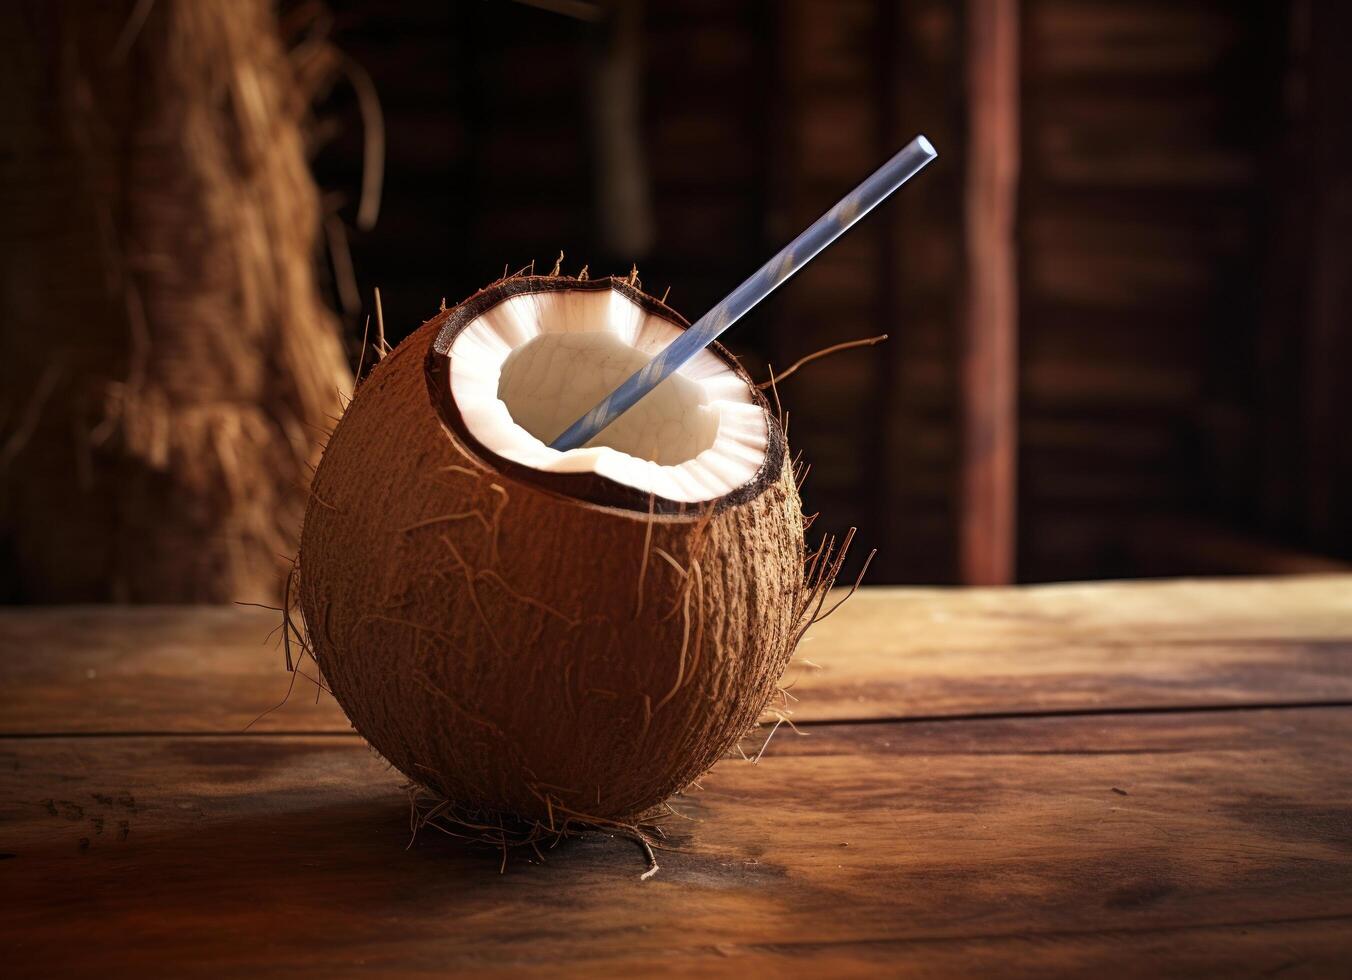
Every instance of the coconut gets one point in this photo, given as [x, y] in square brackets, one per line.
[558, 636]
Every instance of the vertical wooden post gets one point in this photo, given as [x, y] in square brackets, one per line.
[1305, 352]
[1327, 282]
[988, 381]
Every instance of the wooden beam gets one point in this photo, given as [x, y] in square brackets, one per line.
[989, 323]
[1185, 843]
[1069, 649]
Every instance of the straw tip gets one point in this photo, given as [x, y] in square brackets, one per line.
[925, 145]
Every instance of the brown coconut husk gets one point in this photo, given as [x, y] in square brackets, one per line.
[167, 366]
[538, 658]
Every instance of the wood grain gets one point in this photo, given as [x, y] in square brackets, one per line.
[886, 653]
[140, 669]
[1160, 844]
[990, 319]
[1151, 133]
[1088, 647]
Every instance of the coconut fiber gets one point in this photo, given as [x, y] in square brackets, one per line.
[166, 364]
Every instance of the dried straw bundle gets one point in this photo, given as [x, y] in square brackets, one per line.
[166, 362]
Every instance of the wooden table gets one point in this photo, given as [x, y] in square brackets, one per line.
[1118, 778]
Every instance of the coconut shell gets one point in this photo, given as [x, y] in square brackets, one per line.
[519, 645]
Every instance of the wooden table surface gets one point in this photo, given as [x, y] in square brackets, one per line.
[1120, 778]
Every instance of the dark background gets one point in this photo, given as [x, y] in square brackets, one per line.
[1183, 241]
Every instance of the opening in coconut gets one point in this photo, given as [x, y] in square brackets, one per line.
[525, 365]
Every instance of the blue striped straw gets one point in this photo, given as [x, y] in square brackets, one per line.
[761, 284]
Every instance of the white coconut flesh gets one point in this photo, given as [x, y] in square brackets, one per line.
[527, 368]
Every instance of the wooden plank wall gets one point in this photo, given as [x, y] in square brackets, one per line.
[417, 56]
[860, 79]
[492, 150]
[922, 277]
[833, 134]
[1305, 343]
[709, 122]
[756, 117]
[1154, 384]
[1146, 126]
